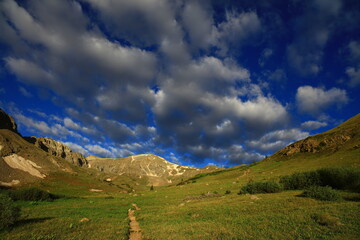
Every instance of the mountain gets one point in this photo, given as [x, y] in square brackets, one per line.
[50, 165]
[151, 169]
[23, 162]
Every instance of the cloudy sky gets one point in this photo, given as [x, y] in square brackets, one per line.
[197, 82]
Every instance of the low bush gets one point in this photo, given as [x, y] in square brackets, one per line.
[31, 194]
[300, 180]
[261, 187]
[322, 193]
[8, 212]
[338, 178]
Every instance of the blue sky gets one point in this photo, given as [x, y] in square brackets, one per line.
[196, 82]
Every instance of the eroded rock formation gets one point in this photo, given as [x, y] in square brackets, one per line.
[7, 122]
[58, 149]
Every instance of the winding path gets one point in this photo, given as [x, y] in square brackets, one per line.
[135, 230]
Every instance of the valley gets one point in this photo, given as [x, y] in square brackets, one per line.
[177, 202]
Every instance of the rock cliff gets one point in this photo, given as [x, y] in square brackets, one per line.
[58, 149]
[7, 122]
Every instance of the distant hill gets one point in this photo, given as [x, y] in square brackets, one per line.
[151, 169]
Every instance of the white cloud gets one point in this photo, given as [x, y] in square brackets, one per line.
[71, 124]
[276, 140]
[354, 75]
[312, 125]
[236, 30]
[29, 71]
[98, 150]
[315, 100]
[76, 148]
[30, 123]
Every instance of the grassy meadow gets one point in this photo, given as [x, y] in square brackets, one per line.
[207, 207]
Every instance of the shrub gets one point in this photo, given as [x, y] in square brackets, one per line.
[300, 180]
[261, 187]
[8, 212]
[322, 193]
[31, 194]
[340, 178]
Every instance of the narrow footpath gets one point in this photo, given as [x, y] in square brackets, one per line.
[135, 230]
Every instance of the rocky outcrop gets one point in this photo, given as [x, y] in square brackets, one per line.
[312, 145]
[330, 143]
[7, 122]
[58, 149]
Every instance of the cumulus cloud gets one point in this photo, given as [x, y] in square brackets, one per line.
[314, 100]
[103, 67]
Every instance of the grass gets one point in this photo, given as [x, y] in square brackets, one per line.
[61, 220]
[169, 213]
[269, 216]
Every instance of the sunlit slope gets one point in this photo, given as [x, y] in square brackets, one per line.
[24, 164]
[146, 168]
[337, 147]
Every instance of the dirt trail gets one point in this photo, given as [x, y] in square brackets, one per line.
[135, 230]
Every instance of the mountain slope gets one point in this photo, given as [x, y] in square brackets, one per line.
[51, 165]
[345, 137]
[22, 162]
[338, 147]
[151, 169]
